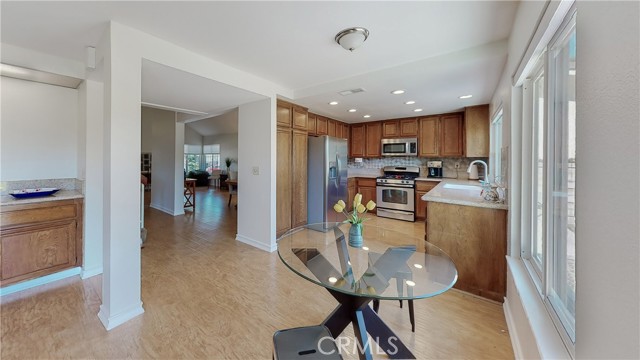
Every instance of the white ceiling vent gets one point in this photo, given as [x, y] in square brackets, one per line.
[351, 91]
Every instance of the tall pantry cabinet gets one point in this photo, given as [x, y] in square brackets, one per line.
[291, 171]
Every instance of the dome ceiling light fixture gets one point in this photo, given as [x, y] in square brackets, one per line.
[352, 38]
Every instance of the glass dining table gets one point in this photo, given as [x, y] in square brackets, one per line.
[389, 266]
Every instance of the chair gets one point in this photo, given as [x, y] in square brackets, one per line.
[215, 178]
[401, 275]
[311, 342]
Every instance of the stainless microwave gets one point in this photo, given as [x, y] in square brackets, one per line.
[400, 147]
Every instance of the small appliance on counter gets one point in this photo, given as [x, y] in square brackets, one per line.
[434, 169]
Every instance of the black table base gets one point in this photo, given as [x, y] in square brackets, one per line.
[356, 310]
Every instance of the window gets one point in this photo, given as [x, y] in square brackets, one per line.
[496, 147]
[550, 246]
[192, 157]
[211, 157]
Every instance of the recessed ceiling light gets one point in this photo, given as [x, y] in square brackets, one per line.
[466, 96]
[397, 92]
[333, 103]
[367, 116]
[417, 110]
[352, 110]
[410, 102]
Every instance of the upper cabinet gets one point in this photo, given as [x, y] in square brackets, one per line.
[400, 128]
[331, 125]
[357, 141]
[321, 125]
[284, 111]
[291, 116]
[476, 124]
[441, 136]
[390, 128]
[428, 145]
[451, 135]
[299, 118]
[374, 139]
[311, 124]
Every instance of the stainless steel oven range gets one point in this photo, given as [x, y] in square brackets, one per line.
[395, 192]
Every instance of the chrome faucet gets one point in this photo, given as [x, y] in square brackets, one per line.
[486, 169]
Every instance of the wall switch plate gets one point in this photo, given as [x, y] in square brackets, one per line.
[255, 170]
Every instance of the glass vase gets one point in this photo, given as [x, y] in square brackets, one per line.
[355, 235]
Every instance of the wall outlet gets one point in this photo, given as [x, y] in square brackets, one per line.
[457, 165]
[255, 170]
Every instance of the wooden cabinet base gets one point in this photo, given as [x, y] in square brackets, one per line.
[476, 240]
[39, 239]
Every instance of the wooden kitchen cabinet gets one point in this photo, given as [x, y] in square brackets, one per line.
[451, 136]
[351, 192]
[429, 128]
[311, 123]
[39, 239]
[423, 187]
[283, 113]
[441, 135]
[283, 180]
[357, 143]
[298, 179]
[373, 135]
[390, 128]
[322, 125]
[299, 119]
[331, 126]
[476, 240]
[409, 127]
[476, 129]
[367, 187]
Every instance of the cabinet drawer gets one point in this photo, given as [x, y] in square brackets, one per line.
[38, 214]
[366, 182]
[426, 185]
[37, 250]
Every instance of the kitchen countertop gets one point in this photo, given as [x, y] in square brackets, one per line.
[429, 179]
[6, 200]
[461, 196]
[368, 176]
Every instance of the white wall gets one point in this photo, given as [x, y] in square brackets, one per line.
[228, 148]
[191, 136]
[163, 144]
[93, 198]
[39, 131]
[256, 193]
[607, 203]
[607, 206]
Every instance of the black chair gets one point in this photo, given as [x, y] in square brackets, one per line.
[403, 274]
[306, 343]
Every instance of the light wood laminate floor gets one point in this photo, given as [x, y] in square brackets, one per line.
[208, 296]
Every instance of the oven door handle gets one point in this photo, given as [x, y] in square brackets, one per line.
[396, 186]
[397, 211]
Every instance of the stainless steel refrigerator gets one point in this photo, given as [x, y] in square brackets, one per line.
[327, 179]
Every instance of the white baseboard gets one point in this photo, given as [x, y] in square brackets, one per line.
[255, 243]
[167, 210]
[112, 321]
[513, 333]
[87, 273]
[39, 281]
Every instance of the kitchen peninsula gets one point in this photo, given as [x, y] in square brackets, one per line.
[473, 232]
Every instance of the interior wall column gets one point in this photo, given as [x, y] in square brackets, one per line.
[121, 202]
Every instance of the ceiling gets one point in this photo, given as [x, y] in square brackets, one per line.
[435, 50]
[218, 125]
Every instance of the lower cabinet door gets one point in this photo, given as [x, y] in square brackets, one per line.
[37, 250]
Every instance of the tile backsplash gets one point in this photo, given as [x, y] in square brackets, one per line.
[374, 166]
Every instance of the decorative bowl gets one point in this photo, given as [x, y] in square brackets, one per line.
[31, 193]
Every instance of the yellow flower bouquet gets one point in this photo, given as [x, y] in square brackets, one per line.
[357, 215]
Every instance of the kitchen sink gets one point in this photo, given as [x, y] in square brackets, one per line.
[462, 187]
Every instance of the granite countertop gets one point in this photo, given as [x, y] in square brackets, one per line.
[429, 179]
[6, 200]
[461, 196]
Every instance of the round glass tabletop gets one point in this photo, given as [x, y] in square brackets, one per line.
[390, 265]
